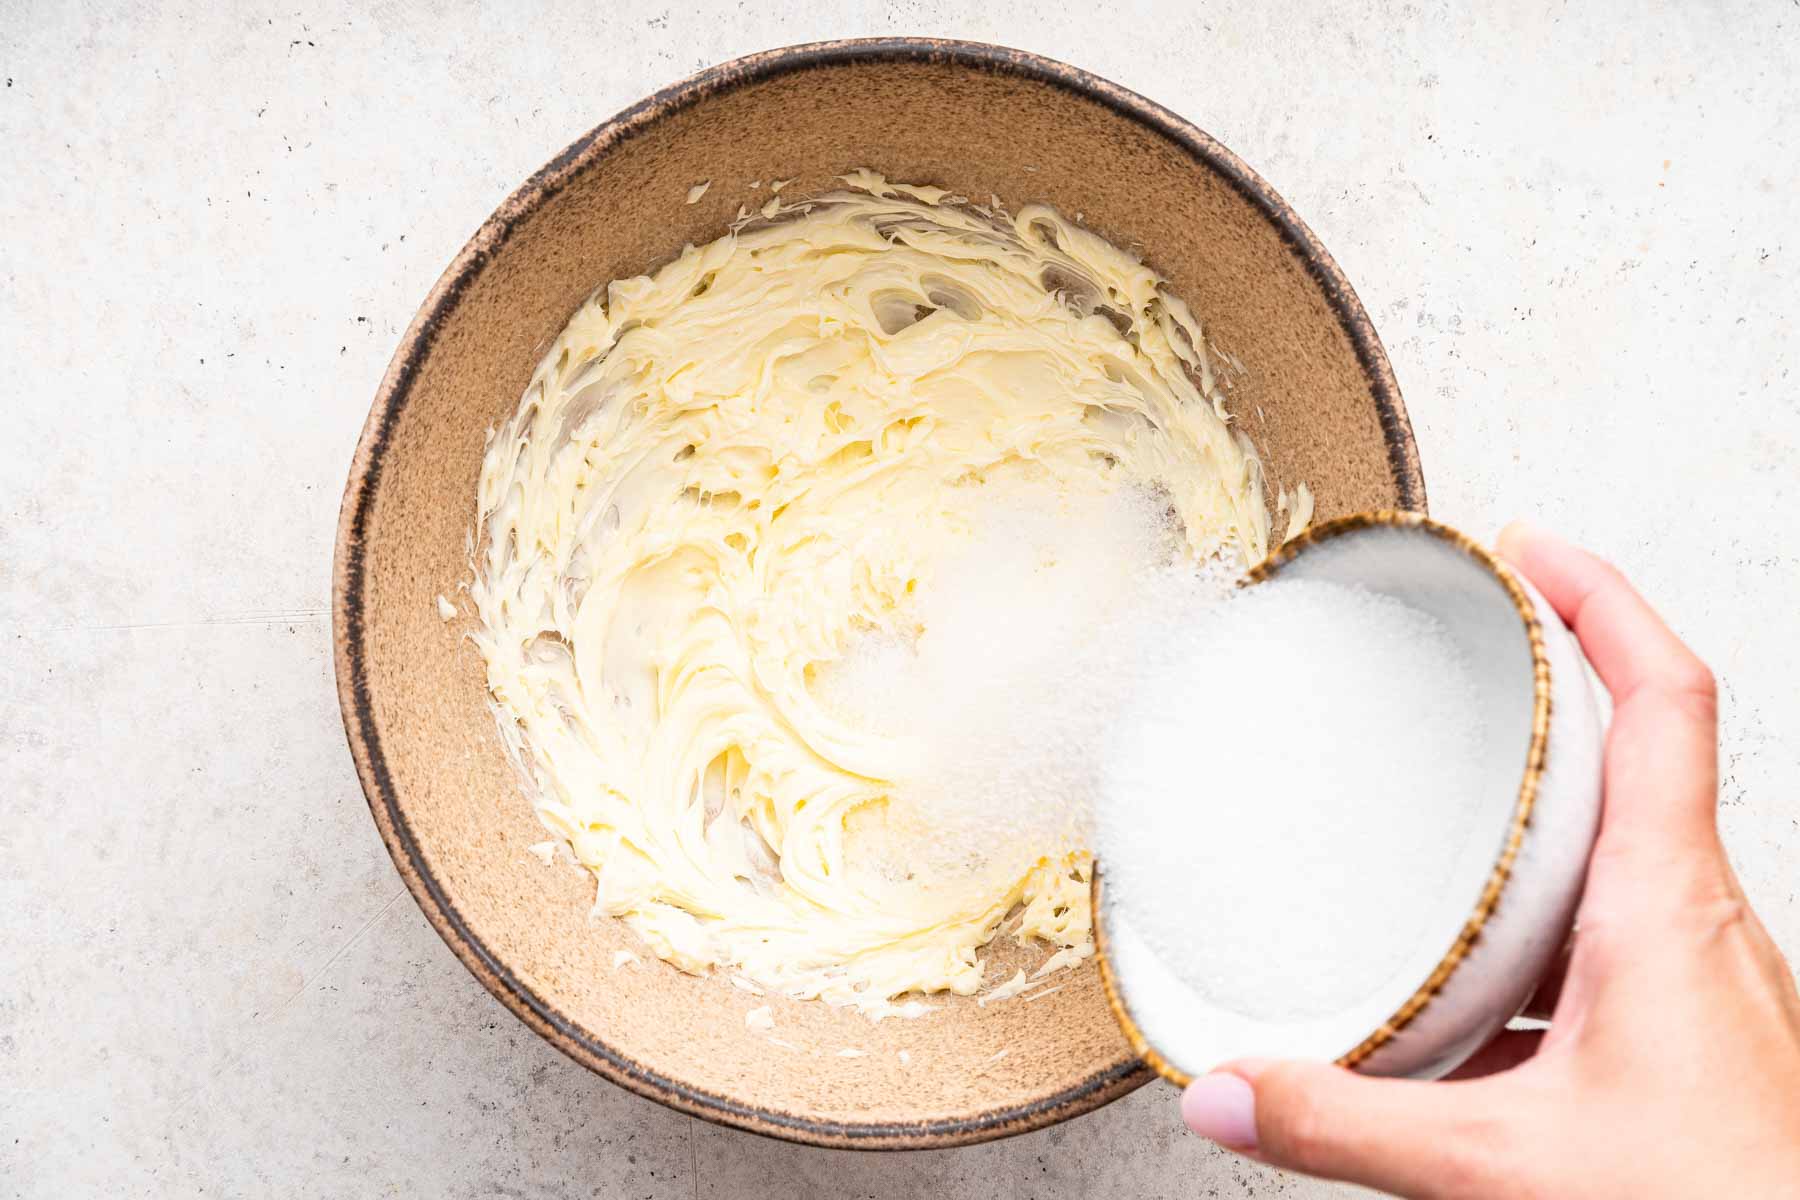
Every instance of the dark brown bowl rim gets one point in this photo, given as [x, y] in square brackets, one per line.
[349, 568]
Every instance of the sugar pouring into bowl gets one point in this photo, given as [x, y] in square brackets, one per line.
[1370, 847]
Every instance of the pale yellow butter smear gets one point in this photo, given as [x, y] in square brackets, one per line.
[724, 474]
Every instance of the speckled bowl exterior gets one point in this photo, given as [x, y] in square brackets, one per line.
[1316, 394]
[1525, 905]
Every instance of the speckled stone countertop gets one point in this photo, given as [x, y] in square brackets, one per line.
[1576, 234]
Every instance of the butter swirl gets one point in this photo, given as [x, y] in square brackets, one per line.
[724, 472]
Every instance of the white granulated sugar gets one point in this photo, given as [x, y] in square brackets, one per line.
[1285, 790]
[1000, 682]
[1276, 780]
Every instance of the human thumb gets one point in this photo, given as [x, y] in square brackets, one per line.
[1412, 1138]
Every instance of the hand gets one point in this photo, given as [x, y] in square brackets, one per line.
[1672, 1062]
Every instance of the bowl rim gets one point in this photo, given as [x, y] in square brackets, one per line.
[350, 567]
[1499, 875]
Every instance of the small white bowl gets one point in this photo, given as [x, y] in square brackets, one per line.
[1512, 900]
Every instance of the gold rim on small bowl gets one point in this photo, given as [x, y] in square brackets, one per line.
[1498, 875]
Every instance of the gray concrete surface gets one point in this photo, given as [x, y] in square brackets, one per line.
[1575, 232]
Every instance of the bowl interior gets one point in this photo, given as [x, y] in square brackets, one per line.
[1433, 569]
[1316, 395]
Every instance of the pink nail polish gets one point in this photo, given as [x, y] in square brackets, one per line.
[1221, 1107]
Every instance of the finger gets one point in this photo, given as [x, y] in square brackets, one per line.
[1622, 636]
[1662, 756]
[1509, 1049]
[1396, 1135]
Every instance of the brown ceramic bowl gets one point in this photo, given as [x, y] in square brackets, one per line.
[1318, 397]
